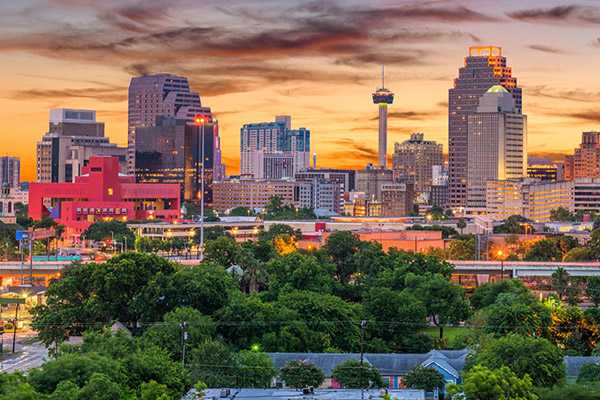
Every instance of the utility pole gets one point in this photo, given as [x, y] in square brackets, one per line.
[362, 350]
[183, 338]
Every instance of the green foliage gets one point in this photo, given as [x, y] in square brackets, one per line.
[276, 230]
[594, 245]
[276, 210]
[578, 254]
[525, 355]
[254, 369]
[47, 222]
[561, 280]
[517, 317]
[588, 373]
[100, 231]
[463, 248]
[482, 383]
[447, 231]
[99, 387]
[543, 250]
[347, 374]
[300, 374]
[428, 378]
[461, 224]
[13, 386]
[223, 251]
[561, 214]
[297, 272]
[486, 294]
[22, 212]
[341, 246]
[240, 212]
[592, 289]
[514, 224]
[571, 392]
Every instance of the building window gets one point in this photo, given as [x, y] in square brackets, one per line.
[110, 191]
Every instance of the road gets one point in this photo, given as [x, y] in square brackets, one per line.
[27, 355]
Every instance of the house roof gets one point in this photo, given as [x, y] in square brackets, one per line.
[574, 364]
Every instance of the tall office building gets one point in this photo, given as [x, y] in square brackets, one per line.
[171, 152]
[10, 171]
[274, 138]
[585, 161]
[382, 96]
[483, 68]
[72, 138]
[497, 145]
[414, 159]
[154, 95]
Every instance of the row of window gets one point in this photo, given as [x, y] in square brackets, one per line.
[98, 211]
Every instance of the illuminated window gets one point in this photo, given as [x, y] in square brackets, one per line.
[110, 191]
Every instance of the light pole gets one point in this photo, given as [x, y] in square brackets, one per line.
[501, 265]
[112, 241]
[428, 219]
[125, 238]
[200, 122]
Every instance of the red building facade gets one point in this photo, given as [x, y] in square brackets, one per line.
[102, 194]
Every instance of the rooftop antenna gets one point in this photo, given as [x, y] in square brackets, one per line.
[382, 77]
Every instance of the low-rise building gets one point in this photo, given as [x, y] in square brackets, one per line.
[256, 193]
[587, 195]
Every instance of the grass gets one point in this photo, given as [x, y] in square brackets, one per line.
[32, 340]
[449, 331]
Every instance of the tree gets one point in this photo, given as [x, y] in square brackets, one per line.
[514, 224]
[223, 251]
[444, 300]
[154, 391]
[284, 244]
[571, 391]
[240, 212]
[525, 355]
[578, 254]
[276, 230]
[482, 383]
[589, 373]
[300, 374]
[461, 224]
[47, 222]
[561, 280]
[254, 369]
[348, 374]
[100, 231]
[14, 386]
[486, 294]
[99, 387]
[522, 318]
[190, 211]
[211, 233]
[463, 249]
[340, 246]
[298, 272]
[427, 378]
[561, 214]
[592, 289]
[594, 244]
[543, 250]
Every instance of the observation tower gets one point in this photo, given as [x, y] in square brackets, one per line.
[383, 97]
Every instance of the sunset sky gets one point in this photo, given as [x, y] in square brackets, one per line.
[318, 61]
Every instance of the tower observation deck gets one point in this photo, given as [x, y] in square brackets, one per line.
[383, 97]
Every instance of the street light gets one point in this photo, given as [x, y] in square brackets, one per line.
[200, 120]
[501, 265]
[428, 219]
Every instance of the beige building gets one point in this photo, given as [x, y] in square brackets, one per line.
[531, 199]
[414, 159]
[254, 193]
[396, 199]
[369, 181]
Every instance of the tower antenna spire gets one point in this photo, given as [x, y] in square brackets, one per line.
[382, 77]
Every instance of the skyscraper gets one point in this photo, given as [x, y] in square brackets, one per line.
[273, 138]
[483, 68]
[156, 95]
[497, 145]
[73, 137]
[414, 159]
[383, 97]
[10, 171]
[585, 161]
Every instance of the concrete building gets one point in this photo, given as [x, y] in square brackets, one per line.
[171, 152]
[370, 180]
[328, 196]
[273, 138]
[585, 161]
[166, 95]
[346, 177]
[272, 165]
[543, 172]
[72, 139]
[414, 160]
[483, 68]
[10, 171]
[439, 175]
[396, 199]
[587, 195]
[497, 145]
[7, 204]
[439, 195]
[255, 193]
[531, 199]
[101, 193]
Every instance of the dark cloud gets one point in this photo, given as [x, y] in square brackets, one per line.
[585, 115]
[354, 148]
[410, 115]
[552, 155]
[545, 49]
[596, 42]
[575, 94]
[571, 14]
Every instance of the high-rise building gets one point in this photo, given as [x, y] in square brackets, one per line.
[273, 138]
[10, 171]
[273, 165]
[371, 179]
[531, 199]
[171, 152]
[587, 195]
[483, 68]
[154, 95]
[497, 145]
[382, 96]
[397, 199]
[585, 161]
[439, 175]
[414, 159]
[73, 137]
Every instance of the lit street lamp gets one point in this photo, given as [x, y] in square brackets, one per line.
[501, 265]
[201, 121]
[428, 219]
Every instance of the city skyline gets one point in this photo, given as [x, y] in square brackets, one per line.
[316, 62]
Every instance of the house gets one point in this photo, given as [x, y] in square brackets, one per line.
[321, 394]
[392, 367]
[574, 364]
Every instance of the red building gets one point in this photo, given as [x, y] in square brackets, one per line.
[101, 193]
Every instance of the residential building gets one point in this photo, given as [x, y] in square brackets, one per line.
[587, 195]
[161, 95]
[585, 161]
[414, 159]
[370, 180]
[276, 165]
[101, 193]
[10, 171]
[359, 204]
[171, 152]
[307, 394]
[73, 137]
[439, 195]
[274, 138]
[483, 68]
[531, 199]
[497, 145]
[346, 177]
[328, 196]
[256, 193]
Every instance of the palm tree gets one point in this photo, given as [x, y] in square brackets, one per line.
[254, 270]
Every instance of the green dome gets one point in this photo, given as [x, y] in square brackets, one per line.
[497, 89]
